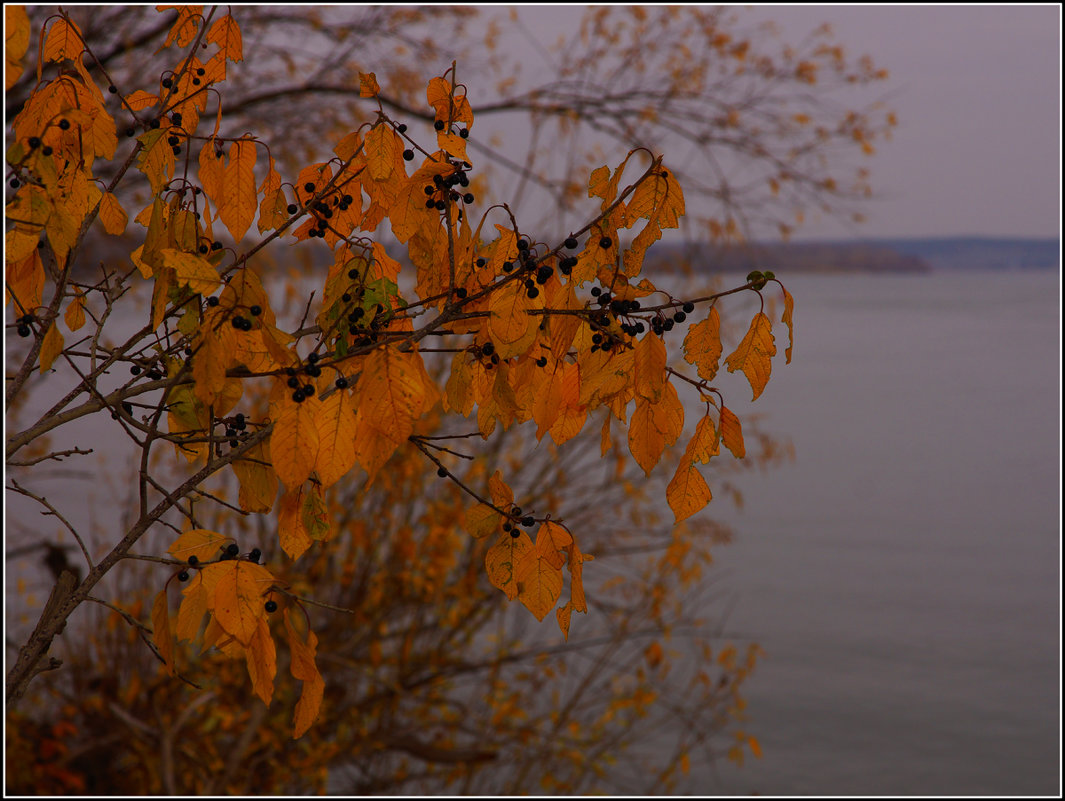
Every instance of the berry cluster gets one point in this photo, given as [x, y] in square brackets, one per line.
[517, 519]
[442, 190]
[23, 322]
[322, 209]
[154, 373]
[233, 427]
[486, 355]
[303, 391]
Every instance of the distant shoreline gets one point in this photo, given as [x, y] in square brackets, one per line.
[900, 255]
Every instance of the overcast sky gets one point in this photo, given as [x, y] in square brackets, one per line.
[978, 95]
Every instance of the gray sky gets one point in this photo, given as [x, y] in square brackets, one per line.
[977, 90]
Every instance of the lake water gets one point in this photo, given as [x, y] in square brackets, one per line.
[903, 573]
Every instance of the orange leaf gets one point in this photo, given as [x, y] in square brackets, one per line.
[754, 353]
[239, 197]
[501, 559]
[294, 443]
[336, 438]
[502, 495]
[192, 610]
[540, 582]
[51, 347]
[480, 520]
[384, 151]
[303, 667]
[732, 433]
[290, 526]
[75, 314]
[650, 363]
[551, 539]
[238, 598]
[789, 307]
[687, 493]
[16, 42]
[198, 542]
[392, 396]
[63, 41]
[261, 657]
[191, 269]
[512, 329]
[368, 86]
[563, 614]
[112, 216]
[226, 34]
[161, 635]
[257, 478]
[702, 345]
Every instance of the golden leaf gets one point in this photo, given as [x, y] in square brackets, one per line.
[112, 216]
[192, 609]
[238, 205]
[303, 667]
[191, 269]
[294, 443]
[75, 313]
[16, 42]
[336, 438]
[501, 559]
[199, 542]
[51, 347]
[226, 34]
[789, 307]
[754, 353]
[257, 478]
[687, 493]
[732, 433]
[368, 86]
[238, 598]
[161, 635]
[512, 329]
[63, 41]
[540, 582]
[291, 530]
[650, 363]
[702, 345]
[261, 658]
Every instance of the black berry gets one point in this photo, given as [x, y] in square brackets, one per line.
[606, 242]
[468, 197]
[688, 307]
[464, 133]
[342, 383]
[135, 369]
[440, 471]
[271, 606]
[408, 155]
[64, 125]
[232, 549]
[439, 125]
[47, 150]
[402, 127]
[570, 243]
[256, 311]
[194, 560]
[254, 555]
[308, 187]
[183, 575]
[167, 83]
[293, 208]
[112, 89]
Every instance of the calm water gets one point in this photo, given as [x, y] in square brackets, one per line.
[903, 573]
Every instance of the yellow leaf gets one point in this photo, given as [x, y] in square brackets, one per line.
[502, 495]
[294, 443]
[576, 577]
[732, 433]
[257, 478]
[238, 598]
[192, 610]
[704, 443]
[452, 144]
[51, 347]
[702, 345]
[239, 197]
[161, 635]
[303, 668]
[563, 614]
[512, 329]
[392, 395]
[754, 353]
[447, 106]
[336, 438]
[540, 582]
[191, 269]
[261, 657]
[199, 542]
[501, 559]
[112, 216]
[480, 520]
[140, 100]
[226, 34]
[654, 426]
[75, 314]
[291, 530]
[368, 86]
[650, 363]
[687, 493]
[63, 42]
[16, 42]
[551, 540]
[384, 153]
[211, 172]
[789, 307]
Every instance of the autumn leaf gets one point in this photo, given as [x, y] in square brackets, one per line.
[336, 438]
[161, 635]
[261, 658]
[191, 269]
[512, 329]
[199, 542]
[303, 668]
[650, 364]
[51, 347]
[702, 345]
[501, 561]
[789, 307]
[238, 597]
[732, 433]
[753, 354]
[239, 198]
[687, 493]
[295, 441]
[257, 478]
[226, 34]
[368, 86]
[16, 42]
[539, 582]
[112, 216]
[75, 313]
